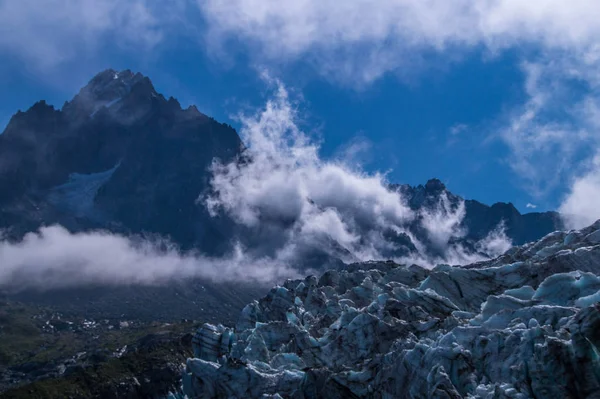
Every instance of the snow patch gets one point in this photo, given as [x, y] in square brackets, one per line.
[78, 193]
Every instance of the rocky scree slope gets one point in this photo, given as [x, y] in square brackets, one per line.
[524, 325]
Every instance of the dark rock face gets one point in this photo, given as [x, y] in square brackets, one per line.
[480, 219]
[521, 228]
[119, 155]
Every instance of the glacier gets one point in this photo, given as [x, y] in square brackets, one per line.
[78, 193]
[523, 325]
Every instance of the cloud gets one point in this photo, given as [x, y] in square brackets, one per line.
[458, 129]
[495, 243]
[358, 42]
[47, 33]
[548, 135]
[442, 223]
[554, 137]
[284, 192]
[357, 151]
[350, 42]
[286, 185]
[454, 252]
[56, 258]
[530, 205]
[580, 206]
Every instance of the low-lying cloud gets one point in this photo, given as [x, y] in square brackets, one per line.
[56, 258]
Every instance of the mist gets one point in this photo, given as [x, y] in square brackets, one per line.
[53, 257]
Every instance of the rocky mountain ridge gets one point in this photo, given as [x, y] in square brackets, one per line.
[119, 156]
[122, 157]
[478, 219]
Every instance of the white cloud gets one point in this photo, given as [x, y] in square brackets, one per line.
[548, 133]
[530, 205]
[458, 253]
[359, 41]
[55, 258]
[458, 129]
[285, 189]
[286, 182]
[580, 207]
[555, 136]
[46, 33]
[354, 41]
[357, 151]
[443, 222]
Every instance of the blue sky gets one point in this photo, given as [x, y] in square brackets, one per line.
[497, 100]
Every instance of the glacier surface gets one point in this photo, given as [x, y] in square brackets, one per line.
[523, 325]
[78, 193]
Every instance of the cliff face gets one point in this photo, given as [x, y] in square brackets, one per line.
[118, 156]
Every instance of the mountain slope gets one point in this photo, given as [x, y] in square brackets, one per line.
[474, 221]
[122, 157]
[118, 156]
[125, 159]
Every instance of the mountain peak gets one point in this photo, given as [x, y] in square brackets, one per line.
[110, 84]
[435, 185]
[110, 75]
[107, 88]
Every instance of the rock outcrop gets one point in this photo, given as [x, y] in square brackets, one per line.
[523, 325]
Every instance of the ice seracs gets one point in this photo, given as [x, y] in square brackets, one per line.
[523, 325]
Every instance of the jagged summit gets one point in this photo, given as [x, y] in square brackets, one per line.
[435, 186]
[480, 219]
[119, 155]
[110, 84]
